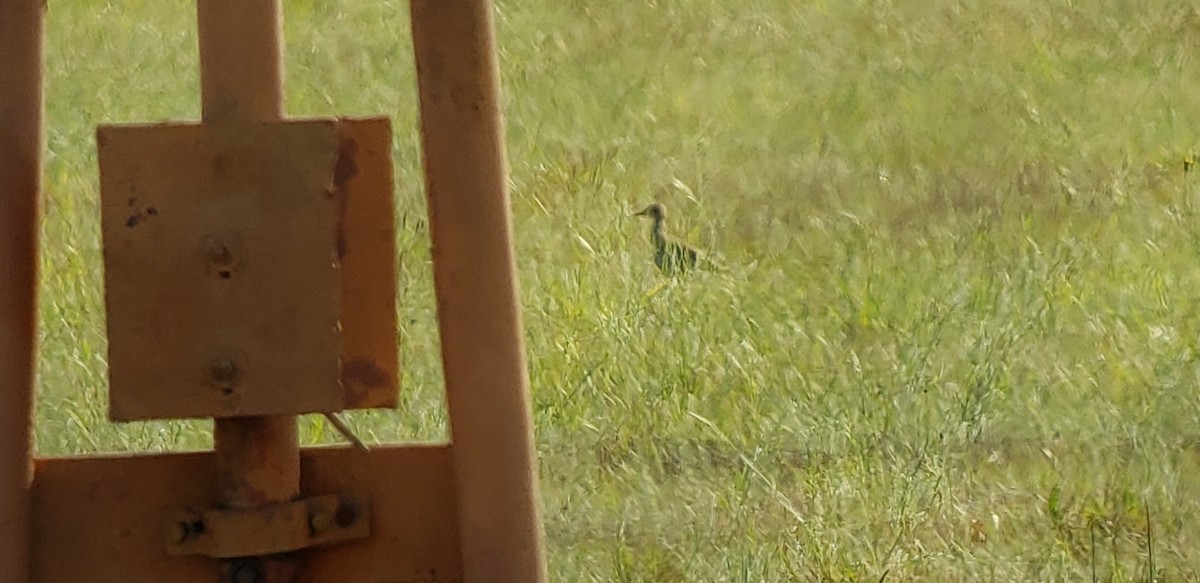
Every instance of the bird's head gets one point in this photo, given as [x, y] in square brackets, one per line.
[654, 211]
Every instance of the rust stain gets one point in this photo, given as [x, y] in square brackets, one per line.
[241, 490]
[345, 168]
[359, 377]
[365, 372]
[138, 216]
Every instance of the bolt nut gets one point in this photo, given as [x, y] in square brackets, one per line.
[347, 514]
[246, 570]
[180, 532]
[319, 522]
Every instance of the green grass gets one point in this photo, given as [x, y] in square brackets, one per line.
[956, 338]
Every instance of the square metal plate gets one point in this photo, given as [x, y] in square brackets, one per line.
[250, 270]
[221, 269]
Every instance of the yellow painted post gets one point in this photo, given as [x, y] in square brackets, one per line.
[20, 188]
[482, 347]
[241, 78]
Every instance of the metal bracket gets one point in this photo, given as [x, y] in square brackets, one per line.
[227, 533]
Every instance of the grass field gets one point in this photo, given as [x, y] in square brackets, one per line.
[956, 337]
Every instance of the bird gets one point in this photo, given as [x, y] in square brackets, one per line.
[670, 256]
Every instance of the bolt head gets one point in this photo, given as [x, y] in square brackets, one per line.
[223, 371]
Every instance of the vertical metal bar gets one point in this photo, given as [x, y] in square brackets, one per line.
[241, 77]
[241, 59]
[482, 348]
[20, 188]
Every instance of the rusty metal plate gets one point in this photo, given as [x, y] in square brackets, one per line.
[101, 519]
[367, 249]
[249, 271]
[269, 530]
[221, 272]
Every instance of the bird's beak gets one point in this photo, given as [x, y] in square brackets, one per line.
[642, 212]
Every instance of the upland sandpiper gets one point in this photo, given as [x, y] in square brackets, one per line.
[670, 256]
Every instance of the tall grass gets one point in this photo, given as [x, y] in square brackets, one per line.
[955, 335]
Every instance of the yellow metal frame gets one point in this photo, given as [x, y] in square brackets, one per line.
[462, 512]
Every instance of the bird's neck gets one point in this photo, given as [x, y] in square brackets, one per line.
[656, 233]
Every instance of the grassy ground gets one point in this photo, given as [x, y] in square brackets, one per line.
[956, 338]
